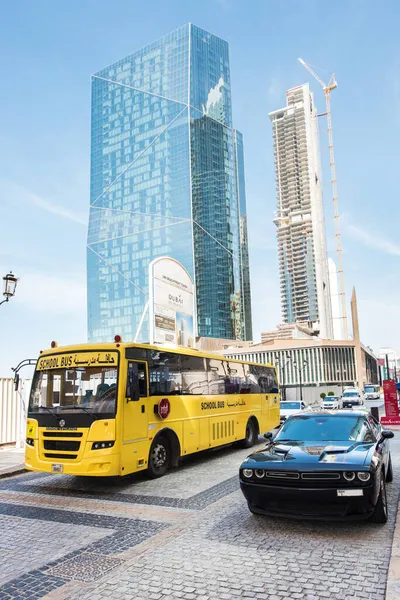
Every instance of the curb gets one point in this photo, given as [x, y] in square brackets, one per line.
[393, 577]
[12, 471]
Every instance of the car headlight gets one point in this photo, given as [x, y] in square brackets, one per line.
[349, 475]
[247, 473]
[102, 445]
[259, 473]
[364, 476]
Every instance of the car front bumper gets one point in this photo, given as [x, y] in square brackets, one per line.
[315, 503]
[349, 404]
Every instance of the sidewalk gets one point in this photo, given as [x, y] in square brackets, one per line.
[11, 461]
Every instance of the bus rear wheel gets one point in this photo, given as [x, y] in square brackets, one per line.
[251, 435]
[159, 457]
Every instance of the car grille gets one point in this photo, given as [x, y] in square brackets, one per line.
[317, 479]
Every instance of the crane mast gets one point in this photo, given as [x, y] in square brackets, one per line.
[327, 92]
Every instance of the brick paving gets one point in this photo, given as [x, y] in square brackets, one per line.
[187, 536]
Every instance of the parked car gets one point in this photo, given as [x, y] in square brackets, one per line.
[352, 397]
[331, 402]
[290, 408]
[321, 465]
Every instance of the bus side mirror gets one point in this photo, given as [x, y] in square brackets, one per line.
[16, 382]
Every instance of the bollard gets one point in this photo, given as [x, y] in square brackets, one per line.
[375, 412]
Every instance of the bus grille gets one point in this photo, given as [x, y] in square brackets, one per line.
[61, 445]
[63, 434]
[73, 456]
[224, 429]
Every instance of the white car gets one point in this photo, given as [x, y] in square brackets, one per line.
[331, 402]
[352, 397]
[290, 407]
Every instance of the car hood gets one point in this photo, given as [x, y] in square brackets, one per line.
[295, 455]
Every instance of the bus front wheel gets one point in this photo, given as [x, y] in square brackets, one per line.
[251, 435]
[159, 457]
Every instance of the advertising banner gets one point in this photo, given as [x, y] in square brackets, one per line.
[392, 416]
[171, 303]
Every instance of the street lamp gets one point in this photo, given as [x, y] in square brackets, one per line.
[9, 285]
[283, 366]
[300, 371]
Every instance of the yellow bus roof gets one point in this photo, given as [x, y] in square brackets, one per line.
[123, 345]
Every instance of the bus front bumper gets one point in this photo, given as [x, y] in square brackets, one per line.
[106, 465]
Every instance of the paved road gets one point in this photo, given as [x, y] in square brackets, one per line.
[187, 536]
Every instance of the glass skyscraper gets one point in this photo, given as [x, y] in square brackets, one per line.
[167, 179]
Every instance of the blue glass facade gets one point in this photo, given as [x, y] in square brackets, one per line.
[165, 182]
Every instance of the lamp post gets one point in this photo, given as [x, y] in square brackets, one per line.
[283, 366]
[9, 285]
[300, 371]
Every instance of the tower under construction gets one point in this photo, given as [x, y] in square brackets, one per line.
[303, 266]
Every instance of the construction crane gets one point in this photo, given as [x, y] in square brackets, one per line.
[327, 91]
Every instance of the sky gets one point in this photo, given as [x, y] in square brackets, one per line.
[48, 51]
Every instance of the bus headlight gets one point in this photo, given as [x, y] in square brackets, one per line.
[247, 473]
[30, 441]
[102, 445]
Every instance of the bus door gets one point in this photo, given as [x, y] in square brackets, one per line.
[135, 419]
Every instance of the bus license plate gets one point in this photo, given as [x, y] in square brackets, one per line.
[57, 468]
[349, 492]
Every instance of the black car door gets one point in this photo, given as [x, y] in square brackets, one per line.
[383, 448]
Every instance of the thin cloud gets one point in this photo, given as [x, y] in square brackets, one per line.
[18, 194]
[275, 91]
[374, 241]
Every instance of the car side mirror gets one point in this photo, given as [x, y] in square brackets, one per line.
[387, 435]
[269, 435]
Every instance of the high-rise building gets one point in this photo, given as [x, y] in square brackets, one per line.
[167, 179]
[304, 277]
[337, 320]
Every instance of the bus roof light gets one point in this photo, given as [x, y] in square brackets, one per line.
[117, 339]
[54, 344]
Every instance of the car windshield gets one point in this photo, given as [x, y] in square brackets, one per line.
[323, 427]
[330, 398]
[91, 389]
[295, 405]
[350, 395]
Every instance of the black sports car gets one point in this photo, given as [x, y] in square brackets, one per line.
[321, 465]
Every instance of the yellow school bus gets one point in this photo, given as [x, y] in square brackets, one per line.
[117, 408]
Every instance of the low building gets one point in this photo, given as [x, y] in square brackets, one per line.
[308, 367]
[288, 331]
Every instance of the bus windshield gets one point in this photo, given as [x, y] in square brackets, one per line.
[91, 389]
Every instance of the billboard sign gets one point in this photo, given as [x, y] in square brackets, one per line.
[391, 403]
[171, 303]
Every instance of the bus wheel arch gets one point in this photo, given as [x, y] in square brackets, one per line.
[164, 453]
[252, 432]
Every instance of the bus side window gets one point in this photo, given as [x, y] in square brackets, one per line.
[194, 375]
[165, 373]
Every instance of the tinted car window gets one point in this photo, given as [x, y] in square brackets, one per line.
[291, 405]
[323, 428]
